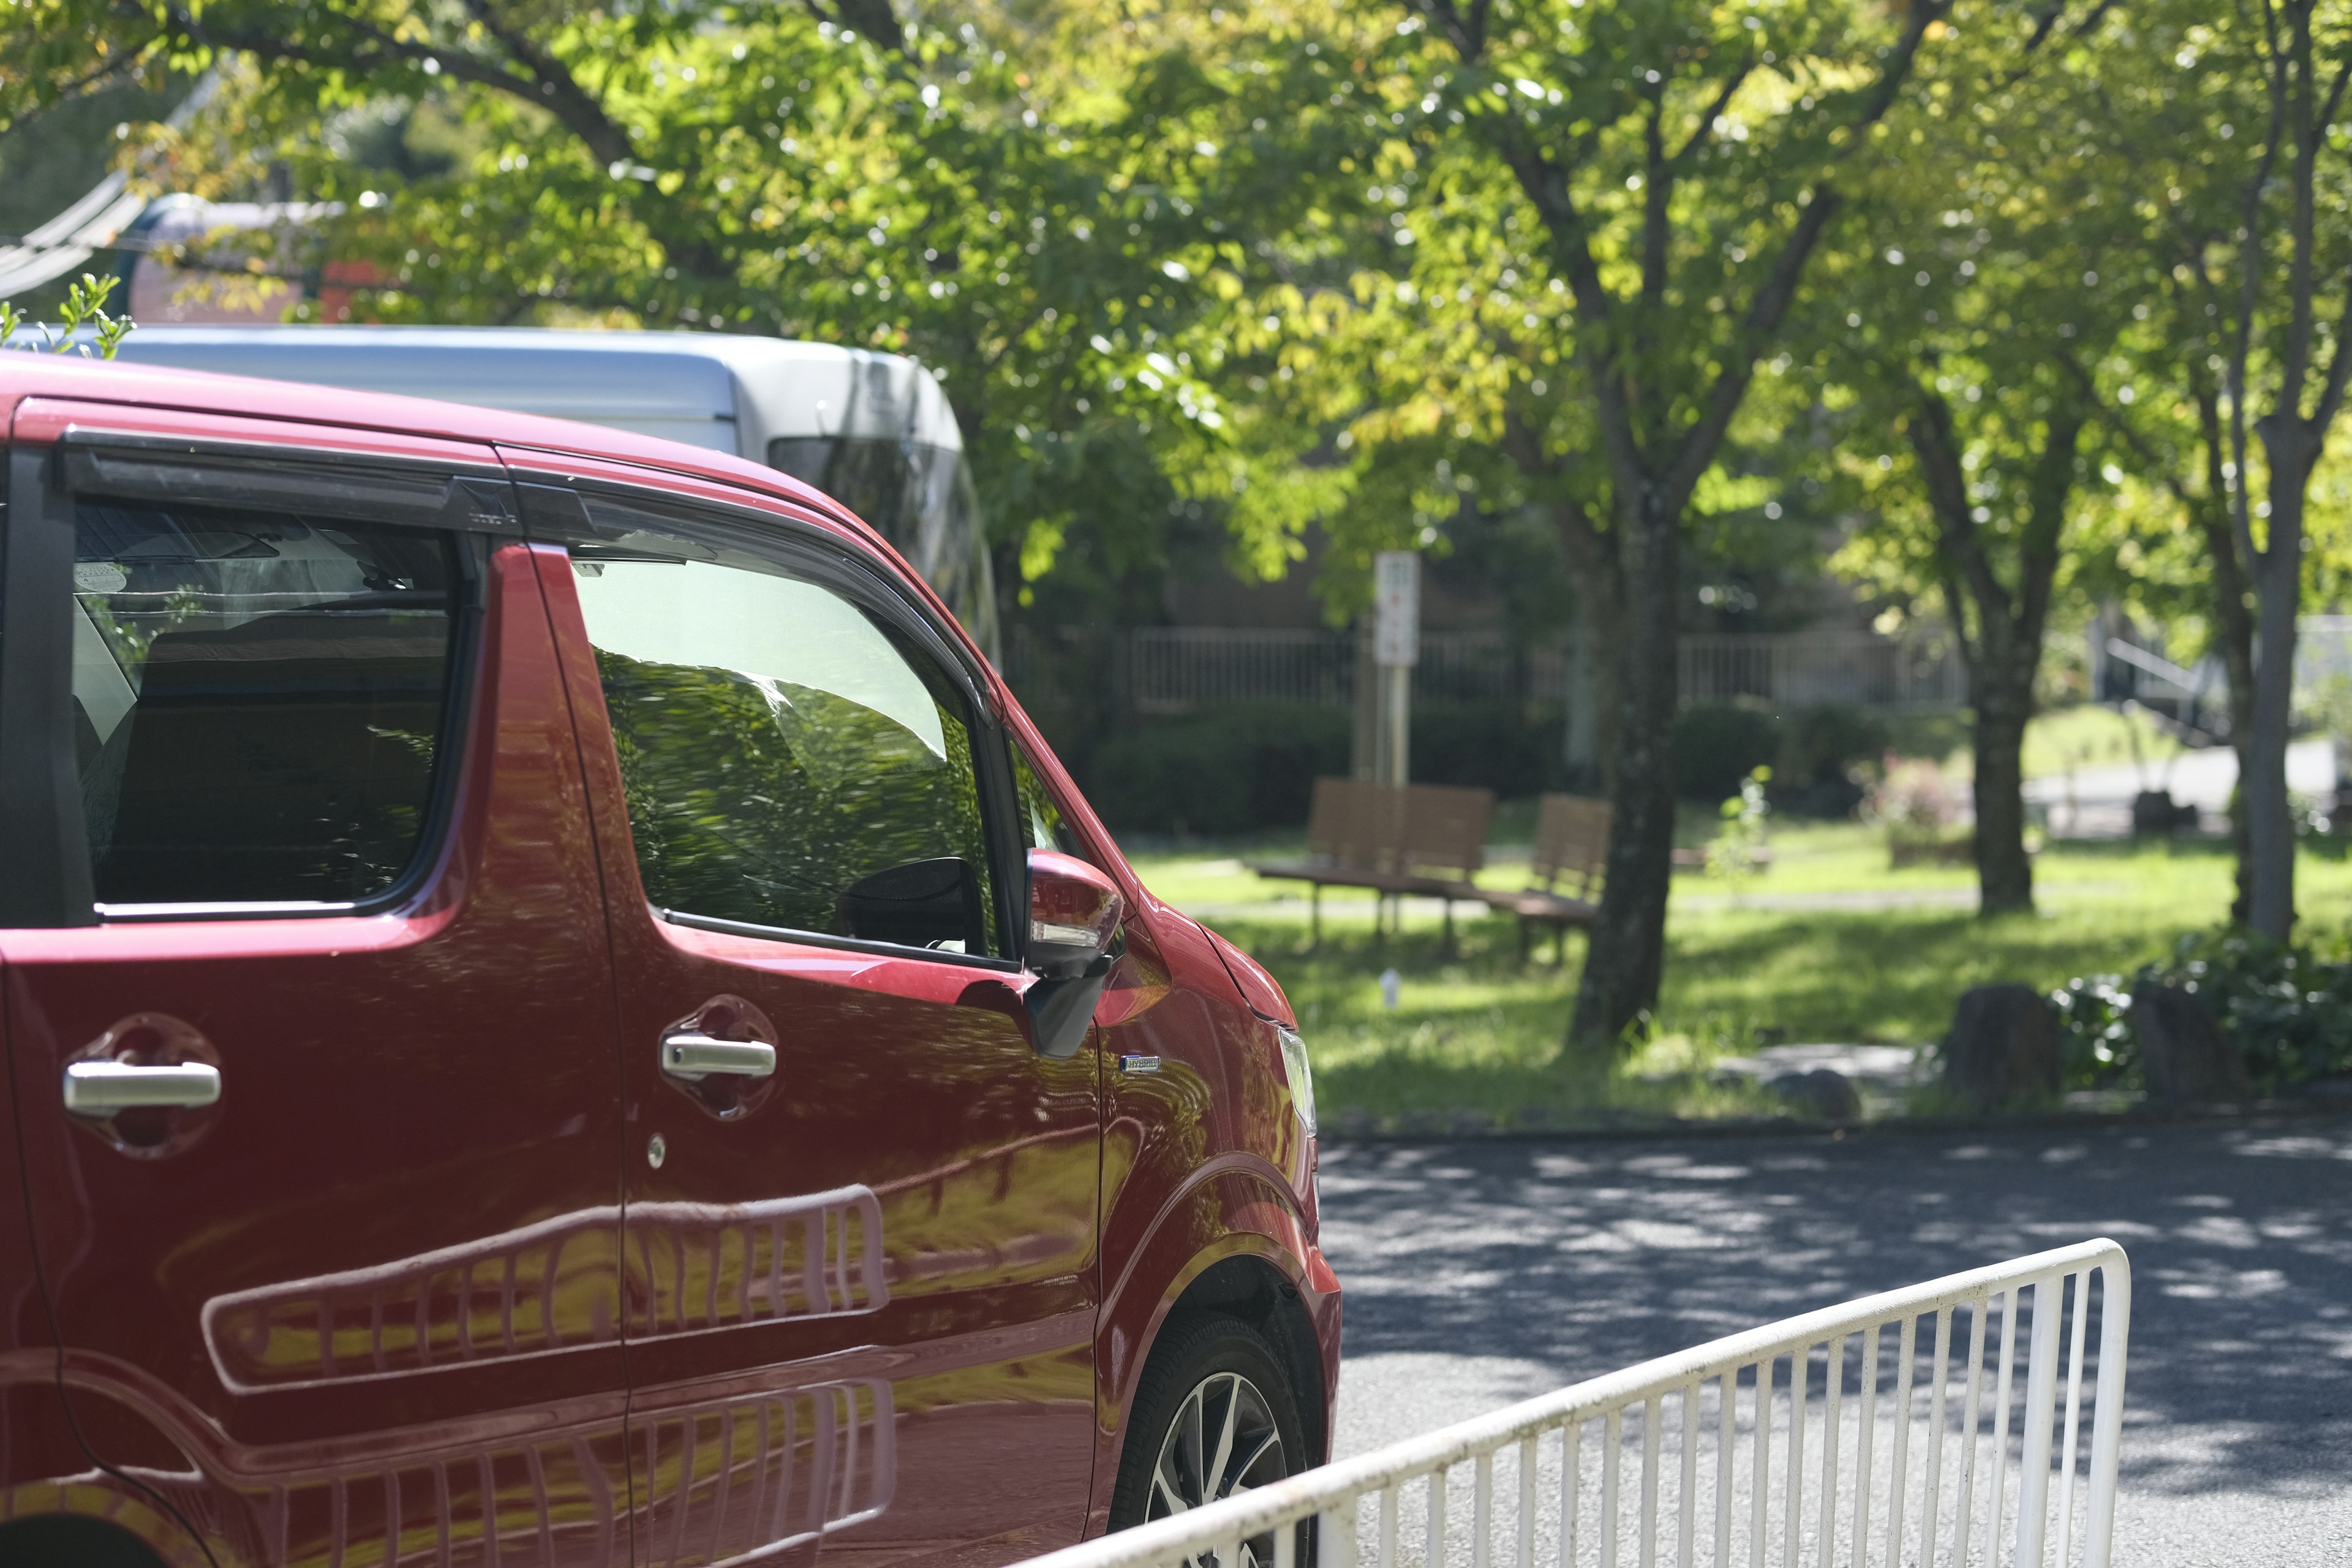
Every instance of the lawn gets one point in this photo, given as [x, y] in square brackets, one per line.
[1826, 945]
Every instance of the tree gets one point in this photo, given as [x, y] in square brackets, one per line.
[1037, 227]
[1991, 271]
[1675, 171]
[2254, 172]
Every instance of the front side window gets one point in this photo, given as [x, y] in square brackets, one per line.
[1042, 822]
[790, 759]
[259, 701]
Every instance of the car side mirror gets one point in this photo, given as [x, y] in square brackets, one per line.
[1074, 918]
[1074, 914]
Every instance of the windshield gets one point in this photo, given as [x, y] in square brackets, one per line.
[921, 499]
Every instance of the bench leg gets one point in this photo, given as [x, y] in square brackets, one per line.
[1449, 928]
[1560, 946]
[1523, 938]
[1315, 916]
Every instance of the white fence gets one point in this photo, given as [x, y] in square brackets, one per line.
[1846, 1436]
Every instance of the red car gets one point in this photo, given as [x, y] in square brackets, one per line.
[558, 1011]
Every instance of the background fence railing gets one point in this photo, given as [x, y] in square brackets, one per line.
[1853, 1435]
[1167, 669]
[1805, 669]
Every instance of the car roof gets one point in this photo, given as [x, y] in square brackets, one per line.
[72, 376]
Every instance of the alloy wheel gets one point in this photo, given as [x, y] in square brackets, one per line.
[1223, 1442]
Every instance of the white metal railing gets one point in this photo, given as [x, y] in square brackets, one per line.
[1893, 1462]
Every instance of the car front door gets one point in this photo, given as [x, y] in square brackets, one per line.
[307, 993]
[861, 1212]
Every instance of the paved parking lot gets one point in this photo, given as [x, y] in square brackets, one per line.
[1478, 1273]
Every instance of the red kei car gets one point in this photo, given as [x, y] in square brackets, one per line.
[558, 1011]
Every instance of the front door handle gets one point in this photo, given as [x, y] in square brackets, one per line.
[693, 1057]
[103, 1088]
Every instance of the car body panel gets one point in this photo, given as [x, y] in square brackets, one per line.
[931, 1174]
[375, 1287]
[1048, 1260]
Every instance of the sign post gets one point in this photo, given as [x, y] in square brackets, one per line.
[1396, 649]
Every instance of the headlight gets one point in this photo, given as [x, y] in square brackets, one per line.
[1301, 1075]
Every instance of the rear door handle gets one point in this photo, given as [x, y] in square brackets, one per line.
[102, 1088]
[698, 1055]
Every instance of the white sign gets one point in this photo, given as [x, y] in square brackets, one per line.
[1396, 602]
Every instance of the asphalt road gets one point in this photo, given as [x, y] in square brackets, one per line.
[1480, 1273]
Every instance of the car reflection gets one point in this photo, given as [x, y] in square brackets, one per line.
[740, 1479]
[554, 1286]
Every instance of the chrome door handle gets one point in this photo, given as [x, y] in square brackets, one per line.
[101, 1088]
[698, 1055]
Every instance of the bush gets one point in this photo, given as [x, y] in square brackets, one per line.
[1822, 748]
[1511, 748]
[1228, 770]
[2289, 1010]
[1716, 745]
[1815, 754]
[1912, 803]
[1250, 767]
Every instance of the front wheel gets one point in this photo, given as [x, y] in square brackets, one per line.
[1214, 1416]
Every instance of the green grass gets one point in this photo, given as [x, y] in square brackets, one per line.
[1478, 1030]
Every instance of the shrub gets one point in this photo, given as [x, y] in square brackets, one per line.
[1814, 753]
[1821, 748]
[1229, 770]
[1248, 767]
[1511, 748]
[2289, 1010]
[1718, 744]
[1912, 803]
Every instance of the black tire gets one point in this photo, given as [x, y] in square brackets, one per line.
[69, 1541]
[1217, 1358]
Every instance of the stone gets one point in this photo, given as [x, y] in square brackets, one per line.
[2003, 1048]
[2187, 1058]
[2155, 811]
[1824, 1092]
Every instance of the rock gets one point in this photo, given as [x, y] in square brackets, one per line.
[1825, 1092]
[2155, 811]
[2003, 1046]
[2188, 1057]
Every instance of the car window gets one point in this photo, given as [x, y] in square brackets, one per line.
[1043, 827]
[259, 701]
[790, 759]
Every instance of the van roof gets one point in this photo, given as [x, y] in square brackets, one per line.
[29, 374]
[690, 383]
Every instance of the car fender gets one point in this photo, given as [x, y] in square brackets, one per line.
[1235, 1204]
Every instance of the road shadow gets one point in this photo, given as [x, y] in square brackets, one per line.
[1584, 1257]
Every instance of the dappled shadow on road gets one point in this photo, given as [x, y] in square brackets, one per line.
[1585, 1256]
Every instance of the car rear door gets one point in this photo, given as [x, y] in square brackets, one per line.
[307, 992]
[861, 1212]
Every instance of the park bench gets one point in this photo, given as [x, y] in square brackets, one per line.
[1571, 848]
[1418, 841]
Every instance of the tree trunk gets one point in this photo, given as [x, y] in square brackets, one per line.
[1628, 947]
[2234, 627]
[2278, 592]
[2000, 692]
[1590, 742]
[2005, 653]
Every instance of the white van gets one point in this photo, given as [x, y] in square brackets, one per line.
[872, 430]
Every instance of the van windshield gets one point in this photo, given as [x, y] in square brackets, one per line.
[921, 499]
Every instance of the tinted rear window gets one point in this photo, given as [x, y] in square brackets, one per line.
[259, 701]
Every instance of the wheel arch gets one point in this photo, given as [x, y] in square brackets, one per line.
[1248, 1286]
